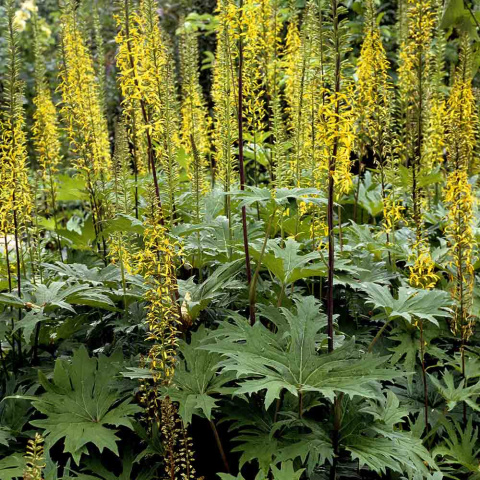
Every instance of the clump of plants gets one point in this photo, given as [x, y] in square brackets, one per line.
[239, 240]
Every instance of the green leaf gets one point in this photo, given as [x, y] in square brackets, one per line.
[388, 412]
[411, 302]
[5, 436]
[227, 476]
[196, 381]
[454, 395]
[47, 298]
[197, 297]
[394, 450]
[80, 273]
[123, 223]
[287, 264]
[29, 322]
[11, 300]
[71, 189]
[81, 405]
[453, 11]
[82, 237]
[289, 360]
[92, 298]
[456, 15]
[286, 472]
[12, 467]
[460, 447]
[281, 196]
[369, 195]
[312, 449]
[261, 447]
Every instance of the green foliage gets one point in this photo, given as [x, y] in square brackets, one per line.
[287, 264]
[141, 245]
[410, 303]
[82, 404]
[289, 359]
[461, 448]
[454, 395]
[196, 381]
[284, 472]
[386, 446]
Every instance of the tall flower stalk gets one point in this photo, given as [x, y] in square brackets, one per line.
[462, 127]
[414, 73]
[15, 195]
[416, 61]
[196, 122]
[121, 248]
[46, 132]
[133, 60]
[224, 89]
[134, 111]
[373, 100]
[82, 110]
[157, 263]
[241, 164]
[336, 121]
[255, 47]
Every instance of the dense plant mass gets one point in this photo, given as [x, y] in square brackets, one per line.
[239, 241]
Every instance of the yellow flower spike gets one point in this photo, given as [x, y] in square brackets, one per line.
[196, 123]
[81, 102]
[422, 272]
[15, 193]
[34, 459]
[303, 95]
[373, 110]
[45, 127]
[225, 130]
[147, 83]
[462, 125]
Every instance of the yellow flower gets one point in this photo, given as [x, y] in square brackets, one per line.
[147, 77]
[157, 263]
[415, 64]
[128, 58]
[225, 130]
[34, 459]
[335, 131]
[392, 213]
[459, 201]
[462, 117]
[458, 195]
[373, 95]
[45, 127]
[304, 96]
[81, 102]
[15, 194]
[422, 272]
[196, 123]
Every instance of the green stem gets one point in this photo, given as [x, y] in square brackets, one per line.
[253, 284]
[378, 335]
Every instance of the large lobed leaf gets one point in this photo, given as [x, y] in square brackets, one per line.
[410, 302]
[196, 380]
[80, 404]
[290, 361]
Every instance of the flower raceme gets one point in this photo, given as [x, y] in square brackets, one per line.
[196, 122]
[81, 103]
[45, 129]
[462, 124]
[15, 194]
[225, 131]
[459, 201]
